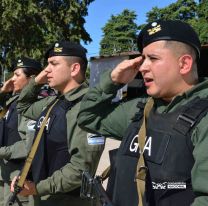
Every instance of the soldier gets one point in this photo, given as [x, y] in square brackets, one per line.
[65, 151]
[13, 141]
[175, 159]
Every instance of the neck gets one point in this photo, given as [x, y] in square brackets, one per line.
[69, 87]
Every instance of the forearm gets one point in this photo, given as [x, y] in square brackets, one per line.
[97, 113]
[84, 157]
[200, 168]
[200, 200]
[28, 104]
[62, 181]
[15, 151]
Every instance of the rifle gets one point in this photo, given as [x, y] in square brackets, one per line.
[13, 197]
[92, 188]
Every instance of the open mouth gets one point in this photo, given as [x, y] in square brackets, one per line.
[148, 80]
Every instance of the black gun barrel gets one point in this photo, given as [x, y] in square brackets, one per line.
[13, 196]
[92, 188]
[12, 199]
[104, 199]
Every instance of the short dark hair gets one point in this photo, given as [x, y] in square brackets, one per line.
[185, 47]
[81, 61]
[30, 71]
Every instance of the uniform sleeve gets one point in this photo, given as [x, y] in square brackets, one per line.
[19, 149]
[200, 168]
[15, 151]
[99, 115]
[84, 156]
[28, 103]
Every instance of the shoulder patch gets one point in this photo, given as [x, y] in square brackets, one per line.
[95, 139]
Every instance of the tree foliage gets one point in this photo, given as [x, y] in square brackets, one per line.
[189, 11]
[28, 27]
[201, 25]
[182, 10]
[119, 33]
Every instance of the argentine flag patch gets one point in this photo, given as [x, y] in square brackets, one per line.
[95, 139]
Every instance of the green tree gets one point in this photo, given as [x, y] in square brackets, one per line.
[201, 25]
[182, 10]
[119, 33]
[190, 11]
[28, 27]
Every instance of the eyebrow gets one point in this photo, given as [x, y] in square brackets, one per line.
[152, 55]
[51, 61]
[16, 72]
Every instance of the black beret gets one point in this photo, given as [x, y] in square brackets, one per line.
[66, 48]
[175, 30]
[25, 62]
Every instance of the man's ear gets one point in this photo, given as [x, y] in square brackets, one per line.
[185, 63]
[75, 69]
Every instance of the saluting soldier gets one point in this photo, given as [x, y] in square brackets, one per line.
[65, 150]
[13, 138]
[175, 138]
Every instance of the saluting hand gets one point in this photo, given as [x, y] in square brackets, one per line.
[41, 78]
[28, 188]
[8, 86]
[126, 71]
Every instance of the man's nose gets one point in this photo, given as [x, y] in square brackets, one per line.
[47, 69]
[144, 66]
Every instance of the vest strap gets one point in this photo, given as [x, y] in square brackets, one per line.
[141, 168]
[191, 115]
[33, 150]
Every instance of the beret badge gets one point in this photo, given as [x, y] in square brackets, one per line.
[57, 48]
[19, 63]
[155, 29]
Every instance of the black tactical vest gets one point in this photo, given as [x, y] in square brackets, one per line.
[52, 153]
[10, 134]
[1, 132]
[122, 187]
[168, 154]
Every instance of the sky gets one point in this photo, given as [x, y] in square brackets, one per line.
[100, 11]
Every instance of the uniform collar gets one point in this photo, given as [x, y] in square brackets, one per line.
[76, 92]
[12, 99]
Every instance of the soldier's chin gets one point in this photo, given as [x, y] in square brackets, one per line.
[50, 84]
[16, 90]
[54, 86]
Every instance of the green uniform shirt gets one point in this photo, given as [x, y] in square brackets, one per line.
[15, 151]
[98, 114]
[68, 177]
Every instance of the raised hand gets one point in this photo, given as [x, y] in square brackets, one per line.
[41, 78]
[127, 70]
[28, 187]
[8, 86]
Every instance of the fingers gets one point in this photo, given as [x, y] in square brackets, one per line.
[28, 189]
[126, 70]
[136, 62]
[13, 184]
[7, 86]
[41, 78]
